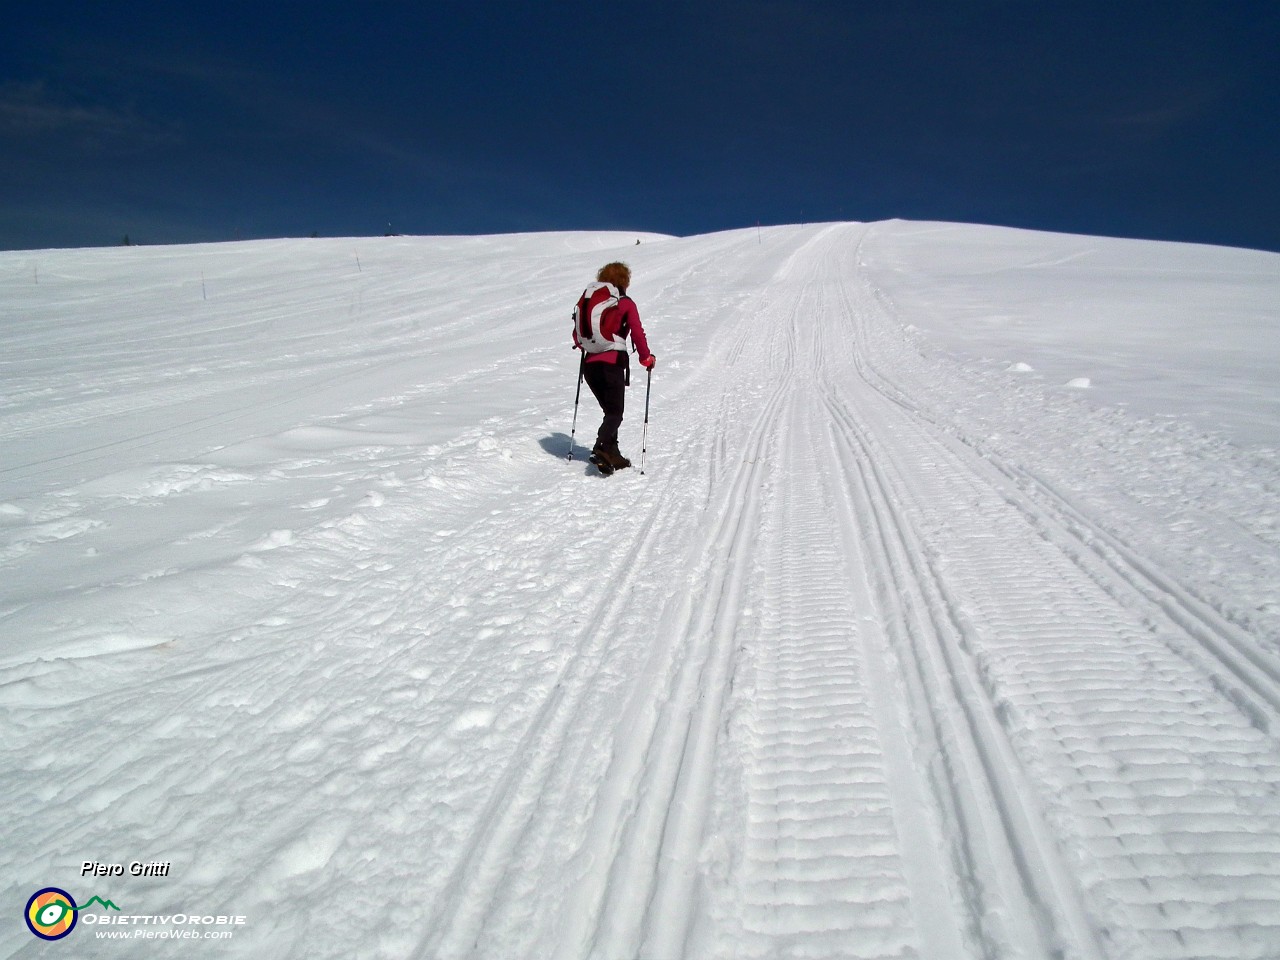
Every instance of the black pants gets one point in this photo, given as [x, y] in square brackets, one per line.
[608, 381]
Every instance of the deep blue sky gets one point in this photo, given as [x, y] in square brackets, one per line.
[183, 121]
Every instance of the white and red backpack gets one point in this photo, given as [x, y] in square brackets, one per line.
[598, 319]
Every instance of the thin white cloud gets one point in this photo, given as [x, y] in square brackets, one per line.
[30, 111]
[1146, 121]
[270, 103]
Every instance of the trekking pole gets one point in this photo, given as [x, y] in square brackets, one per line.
[644, 436]
[582, 362]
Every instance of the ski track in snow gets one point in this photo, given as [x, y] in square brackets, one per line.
[850, 672]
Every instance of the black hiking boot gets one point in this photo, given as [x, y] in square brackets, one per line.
[608, 458]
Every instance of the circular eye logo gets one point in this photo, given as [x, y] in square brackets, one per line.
[51, 913]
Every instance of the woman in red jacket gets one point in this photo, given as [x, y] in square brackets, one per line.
[608, 372]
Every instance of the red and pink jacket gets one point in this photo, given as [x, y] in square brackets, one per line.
[631, 323]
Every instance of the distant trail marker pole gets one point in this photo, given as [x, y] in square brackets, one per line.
[582, 363]
[204, 294]
[758, 239]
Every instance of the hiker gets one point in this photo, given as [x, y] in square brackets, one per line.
[604, 318]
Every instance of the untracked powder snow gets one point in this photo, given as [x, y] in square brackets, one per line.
[943, 622]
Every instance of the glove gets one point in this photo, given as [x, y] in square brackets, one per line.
[648, 362]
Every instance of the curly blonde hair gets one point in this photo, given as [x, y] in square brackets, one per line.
[619, 274]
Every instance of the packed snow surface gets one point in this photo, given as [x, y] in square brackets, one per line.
[943, 621]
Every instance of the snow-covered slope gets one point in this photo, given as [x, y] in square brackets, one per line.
[906, 644]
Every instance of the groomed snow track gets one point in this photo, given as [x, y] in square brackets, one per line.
[897, 700]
